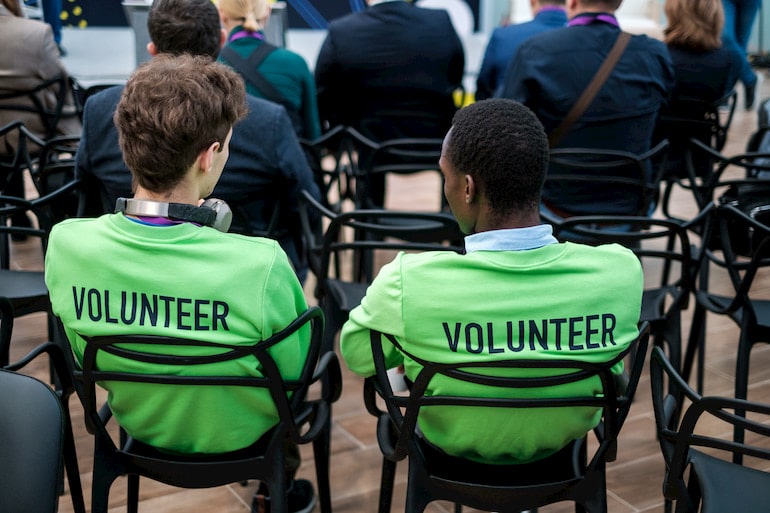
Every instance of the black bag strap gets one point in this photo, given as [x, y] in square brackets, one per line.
[591, 89]
[248, 69]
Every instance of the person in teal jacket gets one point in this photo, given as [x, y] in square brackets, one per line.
[516, 292]
[153, 274]
[282, 76]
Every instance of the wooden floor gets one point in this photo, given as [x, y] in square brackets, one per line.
[634, 480]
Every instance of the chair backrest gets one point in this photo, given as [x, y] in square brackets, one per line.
[55, 168]
[44, 211]
[16, 157]
[681, 417]
[591, 181]
[30, 100]
[723, 171]
[740, 244]
[330, 157]
[391, 156]
[354, 236]
[512, 384]
[32, 427]
[700, 119]
[289, 395]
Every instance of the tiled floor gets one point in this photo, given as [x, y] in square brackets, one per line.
[634, 480]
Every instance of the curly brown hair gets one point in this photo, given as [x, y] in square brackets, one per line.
[172, 108]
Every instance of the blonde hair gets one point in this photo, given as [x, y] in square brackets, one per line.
[695, 24]
[251, 12]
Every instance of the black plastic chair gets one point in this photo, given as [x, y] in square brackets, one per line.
[302, 419]
[32, 424]
[607, 182]
[330, 157]
[704, 186]
[342, 256]
[29, 100]
[568, 475]
[665, 251]
[714, 483]
[689, 117]
[26, 289]
[15, 158]
[25, 485]
[742, 250]
[375, 160]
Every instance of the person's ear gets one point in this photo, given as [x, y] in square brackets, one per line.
[206, 157]
[470, 189]
[152, 49]
[222, 38]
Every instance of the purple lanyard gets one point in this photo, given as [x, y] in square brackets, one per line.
[245, 33]
[588, 18]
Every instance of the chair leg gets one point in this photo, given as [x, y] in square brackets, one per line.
[132, 499]
[103, 477]
[387, 484]
[321, 449]
[741, 385]
[696, 342]
[71, 464]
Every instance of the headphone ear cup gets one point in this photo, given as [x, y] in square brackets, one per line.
[224, 215]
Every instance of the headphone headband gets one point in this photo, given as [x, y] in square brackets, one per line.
[214, 213]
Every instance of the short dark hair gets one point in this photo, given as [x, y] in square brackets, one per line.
[502, 145]
[185, 26]
[172, 108]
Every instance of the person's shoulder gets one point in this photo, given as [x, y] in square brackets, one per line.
[548, 38]
[109, 96]
[649, 43]
[425, 260]
[76, 225]
[260, 106]
[608, 254]
[347, 21]
[290, 57]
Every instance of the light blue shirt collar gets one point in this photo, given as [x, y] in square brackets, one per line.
[512, 239]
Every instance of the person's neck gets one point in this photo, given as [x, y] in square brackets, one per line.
[486, 222]
[594, 9]
[179, 194]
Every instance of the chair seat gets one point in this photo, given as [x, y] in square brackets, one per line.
[347, 295]
[26, 290]
[761, 307]
[726, 486]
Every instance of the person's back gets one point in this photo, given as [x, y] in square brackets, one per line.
[280, 75]
[390, 70]
[28, 57]
[705, 71]
[516, 293]
[504, 41]
[266, 164]
[551, 70]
